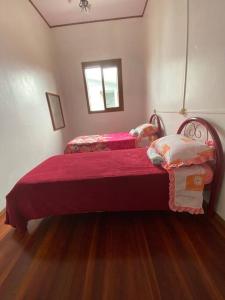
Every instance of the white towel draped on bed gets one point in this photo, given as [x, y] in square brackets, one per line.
[186, 187]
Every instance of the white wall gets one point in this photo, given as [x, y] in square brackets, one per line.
[106, 40]
[26, 73]
[166, 33]
[165, 26]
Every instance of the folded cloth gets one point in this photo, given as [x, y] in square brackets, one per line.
[186, 187]
[155, 158]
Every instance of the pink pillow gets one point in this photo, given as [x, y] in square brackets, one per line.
[144, 130]
[178, 150]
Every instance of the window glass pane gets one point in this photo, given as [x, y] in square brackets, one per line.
[111, 87]
[94, 86]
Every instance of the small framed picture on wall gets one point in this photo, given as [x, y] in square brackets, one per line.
[55, 109]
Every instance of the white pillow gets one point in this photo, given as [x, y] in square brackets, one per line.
[178, 150]
[144, 130]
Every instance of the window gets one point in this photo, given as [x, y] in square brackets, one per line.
[103, 85]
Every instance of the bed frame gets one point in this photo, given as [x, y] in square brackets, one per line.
[201, 130]
[155, 120]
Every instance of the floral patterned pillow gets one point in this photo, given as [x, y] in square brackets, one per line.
[144, 130]
[178, 150]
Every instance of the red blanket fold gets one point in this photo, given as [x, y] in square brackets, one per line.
[120, 180]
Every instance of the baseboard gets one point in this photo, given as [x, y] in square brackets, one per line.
[2, 212]
[219, 224]
[2, 216]
[220, 219]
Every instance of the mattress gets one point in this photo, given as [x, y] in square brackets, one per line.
[90, 143]
[122, 180]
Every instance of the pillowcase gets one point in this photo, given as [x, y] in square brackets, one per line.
[145, 142]
[155, 158]
[144, 130]
[178, 150]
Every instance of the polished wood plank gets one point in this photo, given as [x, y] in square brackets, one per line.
[114, 256]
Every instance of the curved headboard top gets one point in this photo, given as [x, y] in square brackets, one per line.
[201, 130]
[156, 120]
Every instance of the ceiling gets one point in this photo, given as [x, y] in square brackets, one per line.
[62, 12]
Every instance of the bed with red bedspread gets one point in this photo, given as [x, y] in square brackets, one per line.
[88, 182]
[110, 141]
[122, 180]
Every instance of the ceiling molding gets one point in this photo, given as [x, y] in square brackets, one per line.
[96, 21]
[87, 22]
[40, 14]
[146, 3]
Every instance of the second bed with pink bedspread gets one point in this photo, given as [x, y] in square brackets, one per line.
[110, 141]
[93, 143]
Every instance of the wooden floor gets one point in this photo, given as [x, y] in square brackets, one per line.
[114, 257]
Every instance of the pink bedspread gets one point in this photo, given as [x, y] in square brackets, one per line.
[120, 180]
[91, 143]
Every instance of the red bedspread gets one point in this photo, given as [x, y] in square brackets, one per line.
[111, 141]
[119, 180]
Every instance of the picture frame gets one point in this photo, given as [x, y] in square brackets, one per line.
[55, 109]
